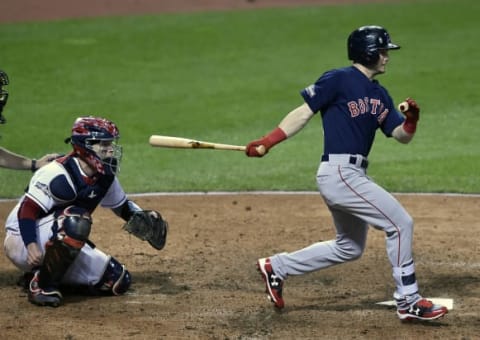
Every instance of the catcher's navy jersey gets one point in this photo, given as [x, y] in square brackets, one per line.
[352, 108]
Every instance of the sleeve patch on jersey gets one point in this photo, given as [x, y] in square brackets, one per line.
[42, 187]
[310, 91]
[61, 189]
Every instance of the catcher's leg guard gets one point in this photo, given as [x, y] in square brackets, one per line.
[60, 252]
[58, 257]
[43, 289]
[115, 280]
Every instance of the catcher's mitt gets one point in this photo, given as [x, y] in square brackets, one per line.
[148, 227]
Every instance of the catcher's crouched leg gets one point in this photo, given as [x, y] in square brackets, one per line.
[73, 226]
[115, 280]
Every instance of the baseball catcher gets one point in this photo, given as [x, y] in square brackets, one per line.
[148, 225]
[47, 233]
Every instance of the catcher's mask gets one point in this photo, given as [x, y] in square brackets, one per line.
[365, 43]
[95, 140]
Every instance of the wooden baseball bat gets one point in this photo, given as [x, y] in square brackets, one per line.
[403, 107]
[185, 143]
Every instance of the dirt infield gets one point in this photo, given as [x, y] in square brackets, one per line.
[204, 285]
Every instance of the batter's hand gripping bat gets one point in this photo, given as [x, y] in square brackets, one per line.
[403, 107]
[185, 143]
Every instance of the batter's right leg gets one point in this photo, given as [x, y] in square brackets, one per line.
[348, 245]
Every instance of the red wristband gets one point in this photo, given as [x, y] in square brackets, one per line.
[274, 137]
[410, 125]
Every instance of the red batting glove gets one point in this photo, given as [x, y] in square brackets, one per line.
[274, 137]
[412, 116]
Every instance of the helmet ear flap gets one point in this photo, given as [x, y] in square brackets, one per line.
[371, 57]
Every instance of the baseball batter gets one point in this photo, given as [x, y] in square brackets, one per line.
[10, 159]
[47, 231]
[353, 105]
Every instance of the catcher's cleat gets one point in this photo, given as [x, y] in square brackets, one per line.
[423, 309]
[43, 297]
[273, 283]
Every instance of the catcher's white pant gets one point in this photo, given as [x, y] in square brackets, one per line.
[87, 269]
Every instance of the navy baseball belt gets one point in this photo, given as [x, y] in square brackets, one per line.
[352, 159]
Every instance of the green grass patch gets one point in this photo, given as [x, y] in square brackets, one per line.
[230, 77]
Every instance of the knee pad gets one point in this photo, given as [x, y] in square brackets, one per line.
[115, 280]
[75, 223]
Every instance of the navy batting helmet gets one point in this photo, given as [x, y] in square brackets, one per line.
[365, 42]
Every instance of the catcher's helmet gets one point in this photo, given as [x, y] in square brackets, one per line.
[88, 131]
[365, 42]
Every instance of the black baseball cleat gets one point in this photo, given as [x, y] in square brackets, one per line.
[423, 309]
[273, 284]
[43, 297]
